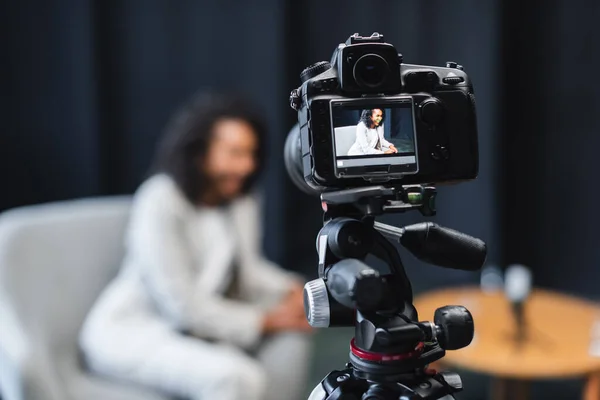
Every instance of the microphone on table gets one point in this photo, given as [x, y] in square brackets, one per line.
[517, 287]
[491, 279]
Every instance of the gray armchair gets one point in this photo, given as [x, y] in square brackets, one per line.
[54, 261]
[345, 137]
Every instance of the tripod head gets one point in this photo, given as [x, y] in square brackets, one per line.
[391, 349]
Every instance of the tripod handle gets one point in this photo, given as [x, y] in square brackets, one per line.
[389, 231]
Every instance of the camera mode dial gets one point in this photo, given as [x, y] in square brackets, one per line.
[314, 70]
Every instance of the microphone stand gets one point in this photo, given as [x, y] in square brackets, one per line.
[517, 289]
[518, 309]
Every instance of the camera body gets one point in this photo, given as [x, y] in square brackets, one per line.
[366, 118]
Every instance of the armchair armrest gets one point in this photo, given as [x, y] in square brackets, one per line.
[25, 370]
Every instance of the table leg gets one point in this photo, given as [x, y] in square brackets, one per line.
[509, 389]
[592, 388]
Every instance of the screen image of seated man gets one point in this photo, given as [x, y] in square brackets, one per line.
[369, 135]
[196, 311]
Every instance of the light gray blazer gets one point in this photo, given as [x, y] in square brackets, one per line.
[171, 280]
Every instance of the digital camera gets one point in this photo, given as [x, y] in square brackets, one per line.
[366, 118]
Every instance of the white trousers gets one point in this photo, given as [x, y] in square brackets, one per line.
[191, 368]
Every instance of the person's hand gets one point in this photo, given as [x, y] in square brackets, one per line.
[389, 151]
[296, 297]
[393, 148]
[289, 314]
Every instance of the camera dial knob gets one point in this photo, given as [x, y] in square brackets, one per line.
[316, 304]
[368, 290]
[456, 328]
[314, 70]
[431, 111]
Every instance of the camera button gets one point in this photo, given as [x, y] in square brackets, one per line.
[440, 152]
[431, 111]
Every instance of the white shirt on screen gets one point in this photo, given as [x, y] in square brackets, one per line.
[368, 141]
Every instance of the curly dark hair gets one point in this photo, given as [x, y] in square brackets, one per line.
[187, 137]
[365, 116]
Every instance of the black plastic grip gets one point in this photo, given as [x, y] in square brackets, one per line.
[444, 247]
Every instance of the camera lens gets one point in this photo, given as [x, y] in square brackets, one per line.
[292, 157]
[370, 71]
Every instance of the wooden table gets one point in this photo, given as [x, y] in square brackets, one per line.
[559, 328]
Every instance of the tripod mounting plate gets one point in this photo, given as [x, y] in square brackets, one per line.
[377, 200]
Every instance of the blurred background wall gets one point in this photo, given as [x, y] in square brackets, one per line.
[87, 86]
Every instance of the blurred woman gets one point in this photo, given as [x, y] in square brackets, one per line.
[369, 135]
[196, 310]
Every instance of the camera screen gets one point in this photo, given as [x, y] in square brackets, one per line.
[374, 137]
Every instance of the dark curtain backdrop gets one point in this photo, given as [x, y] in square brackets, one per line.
[87, 86]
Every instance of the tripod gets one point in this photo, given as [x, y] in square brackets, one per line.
[391, 350]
